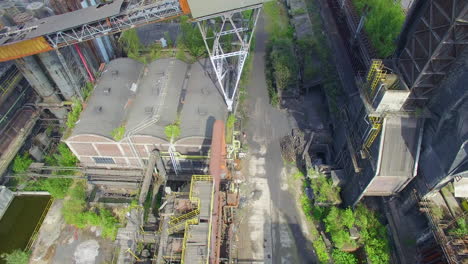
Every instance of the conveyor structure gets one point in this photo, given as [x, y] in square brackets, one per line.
[54, 32]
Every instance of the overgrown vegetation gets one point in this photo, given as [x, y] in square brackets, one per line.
[131, 44]
[57, 187]
[172, 131]
[231, 120]
[281, 70]
[317, 62]
[461, 230]
[383, 23]
[324, 191]
[373, 235]
[118, 133]
[21, 162]
[341, 257]
[317, 241]
[190, 38]
[337, 224]
[147, 205]
[74, 114]
[87, 90]
[17, 256]
[75, 212]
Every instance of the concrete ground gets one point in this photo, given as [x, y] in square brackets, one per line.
[61, 243]
[272, 220]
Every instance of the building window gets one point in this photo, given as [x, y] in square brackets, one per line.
[100, 160]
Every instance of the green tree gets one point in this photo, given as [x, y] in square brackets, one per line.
[383, 23]
[461, 230]
[373, 235]
[131, 42]
[191, 38]
[337, 223]
[172, 131]
[347, 218]
[21, 163]
[118, 133]
[17, 256]
[341, 257]
[324, 190]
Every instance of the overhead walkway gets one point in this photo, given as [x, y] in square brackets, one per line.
[195, 246]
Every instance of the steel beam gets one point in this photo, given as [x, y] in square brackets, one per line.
[431, 42]
[227, 37]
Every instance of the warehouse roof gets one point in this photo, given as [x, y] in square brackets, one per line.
[145, 99]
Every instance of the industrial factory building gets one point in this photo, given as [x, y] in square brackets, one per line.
[143, 100]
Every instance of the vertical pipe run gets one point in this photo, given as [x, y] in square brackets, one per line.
[90, 75]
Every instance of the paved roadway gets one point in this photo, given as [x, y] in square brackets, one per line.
[275, 229]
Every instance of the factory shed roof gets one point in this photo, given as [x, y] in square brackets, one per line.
[145, 99]
[398, 155]
[202, 8]
[399, 149]
[107, 106]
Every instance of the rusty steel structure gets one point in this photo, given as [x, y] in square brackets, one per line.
[434, 35]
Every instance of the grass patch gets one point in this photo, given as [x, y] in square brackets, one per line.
[74, 114]
[298, 175]
[118, 133]
[231, 120]
[172, 131]
[277, 21]
[147, 205]
[461, 230]
[87, 90]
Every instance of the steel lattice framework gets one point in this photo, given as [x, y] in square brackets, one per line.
[132, 18]
[435, 34]
[227, 37]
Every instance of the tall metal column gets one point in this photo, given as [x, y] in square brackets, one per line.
[34, 74]
[227, 38]
[57, 73]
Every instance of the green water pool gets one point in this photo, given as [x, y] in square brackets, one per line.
[20, 220]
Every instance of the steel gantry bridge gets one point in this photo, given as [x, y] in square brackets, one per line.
[226, 27]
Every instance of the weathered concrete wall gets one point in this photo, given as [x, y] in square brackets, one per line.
[444, 146]
[6, 196]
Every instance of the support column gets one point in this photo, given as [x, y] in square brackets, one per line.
[229, 47]
[32, 71]
[58, 74]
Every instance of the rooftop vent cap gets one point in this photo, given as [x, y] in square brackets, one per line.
[107, 91]
[149, 110]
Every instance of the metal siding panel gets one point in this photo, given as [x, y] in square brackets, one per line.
[24, 48]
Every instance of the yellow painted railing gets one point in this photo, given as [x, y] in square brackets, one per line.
[376, 127]
[196, 178]
[38, 225]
